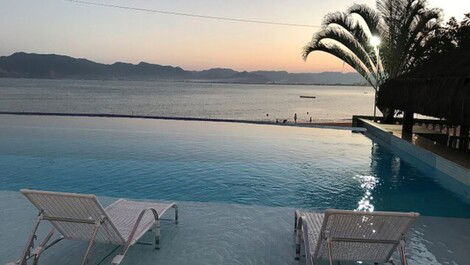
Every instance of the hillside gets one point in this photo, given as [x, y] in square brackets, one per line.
[31, 65]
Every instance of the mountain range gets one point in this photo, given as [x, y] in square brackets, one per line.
[52, 66]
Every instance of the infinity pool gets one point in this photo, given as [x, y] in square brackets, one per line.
[216, 162]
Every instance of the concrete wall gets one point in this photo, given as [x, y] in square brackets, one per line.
[453, 176]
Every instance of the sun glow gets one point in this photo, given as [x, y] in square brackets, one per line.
[374, 41]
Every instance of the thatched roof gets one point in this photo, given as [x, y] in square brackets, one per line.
[441, 88]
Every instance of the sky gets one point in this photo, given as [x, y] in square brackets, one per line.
[108, 35]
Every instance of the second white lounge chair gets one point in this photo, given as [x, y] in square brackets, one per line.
[352, 236]
[81, 217]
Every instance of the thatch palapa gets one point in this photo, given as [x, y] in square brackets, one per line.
[441, 89]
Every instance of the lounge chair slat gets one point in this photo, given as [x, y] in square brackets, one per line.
[354, 236]
[314, 222]
[81, 217]
[124, 214]
[76, 206]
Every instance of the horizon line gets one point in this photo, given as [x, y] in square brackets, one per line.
[185, 69]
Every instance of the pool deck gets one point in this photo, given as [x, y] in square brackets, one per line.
[339, 125]
[455, 156]
[213, 233]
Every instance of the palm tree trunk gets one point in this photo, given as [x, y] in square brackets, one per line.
[388, 114]
[407, 126]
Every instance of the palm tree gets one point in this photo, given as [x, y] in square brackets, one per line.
[378, 43]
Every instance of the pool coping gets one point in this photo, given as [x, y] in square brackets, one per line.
[456, 172]
[256, 122]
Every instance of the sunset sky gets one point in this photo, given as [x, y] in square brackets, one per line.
[107, 34]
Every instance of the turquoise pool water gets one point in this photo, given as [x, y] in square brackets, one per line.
[216, 162]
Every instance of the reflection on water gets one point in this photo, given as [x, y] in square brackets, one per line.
[367, 183]
[218, 162]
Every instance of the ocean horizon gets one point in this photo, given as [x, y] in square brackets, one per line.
[256, 102]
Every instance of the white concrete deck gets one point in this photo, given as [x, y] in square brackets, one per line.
[211, 233]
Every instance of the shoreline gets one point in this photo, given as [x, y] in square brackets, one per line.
[341, 125]
[191, 81]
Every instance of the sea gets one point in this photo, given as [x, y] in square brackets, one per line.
[257, 102]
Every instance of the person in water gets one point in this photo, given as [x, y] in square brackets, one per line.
[295, 117]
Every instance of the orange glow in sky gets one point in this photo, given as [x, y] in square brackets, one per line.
[109, 35]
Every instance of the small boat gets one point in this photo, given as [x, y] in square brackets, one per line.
[308, 97]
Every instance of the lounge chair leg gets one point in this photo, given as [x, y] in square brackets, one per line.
[295, 221]
[38, 251]
[297, 236]
[176, 213]
[157, 234]
[297, 245]
[330, 254]
[30, 243]
[402, 253]
[297, 251]
[91, 242]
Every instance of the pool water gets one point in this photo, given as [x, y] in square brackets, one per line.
[216, 162]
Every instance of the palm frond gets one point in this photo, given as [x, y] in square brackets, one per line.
[370, 17]
[343, 53]
[406, 29]
[344, 20]
[343, 36]
[422, 45]
[424, 19]
[339, 18]
[419, 38]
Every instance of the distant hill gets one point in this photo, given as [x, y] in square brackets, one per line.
[31, 65]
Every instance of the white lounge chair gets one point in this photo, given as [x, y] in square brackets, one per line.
[81, 217]
[352, 236]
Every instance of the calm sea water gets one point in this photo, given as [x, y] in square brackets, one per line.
[177, 99]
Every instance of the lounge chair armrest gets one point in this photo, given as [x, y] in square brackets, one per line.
[139, 219]
[117, 260]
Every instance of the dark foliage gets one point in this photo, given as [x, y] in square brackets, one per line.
[440, 85]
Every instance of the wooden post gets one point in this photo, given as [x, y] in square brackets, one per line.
[407, 126]
[464, 130]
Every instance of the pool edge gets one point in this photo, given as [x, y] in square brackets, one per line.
[457, 174]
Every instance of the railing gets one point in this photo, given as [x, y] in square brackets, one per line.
[446, 134]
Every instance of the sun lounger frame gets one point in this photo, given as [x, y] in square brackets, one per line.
[324, 237]
[30, 252]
